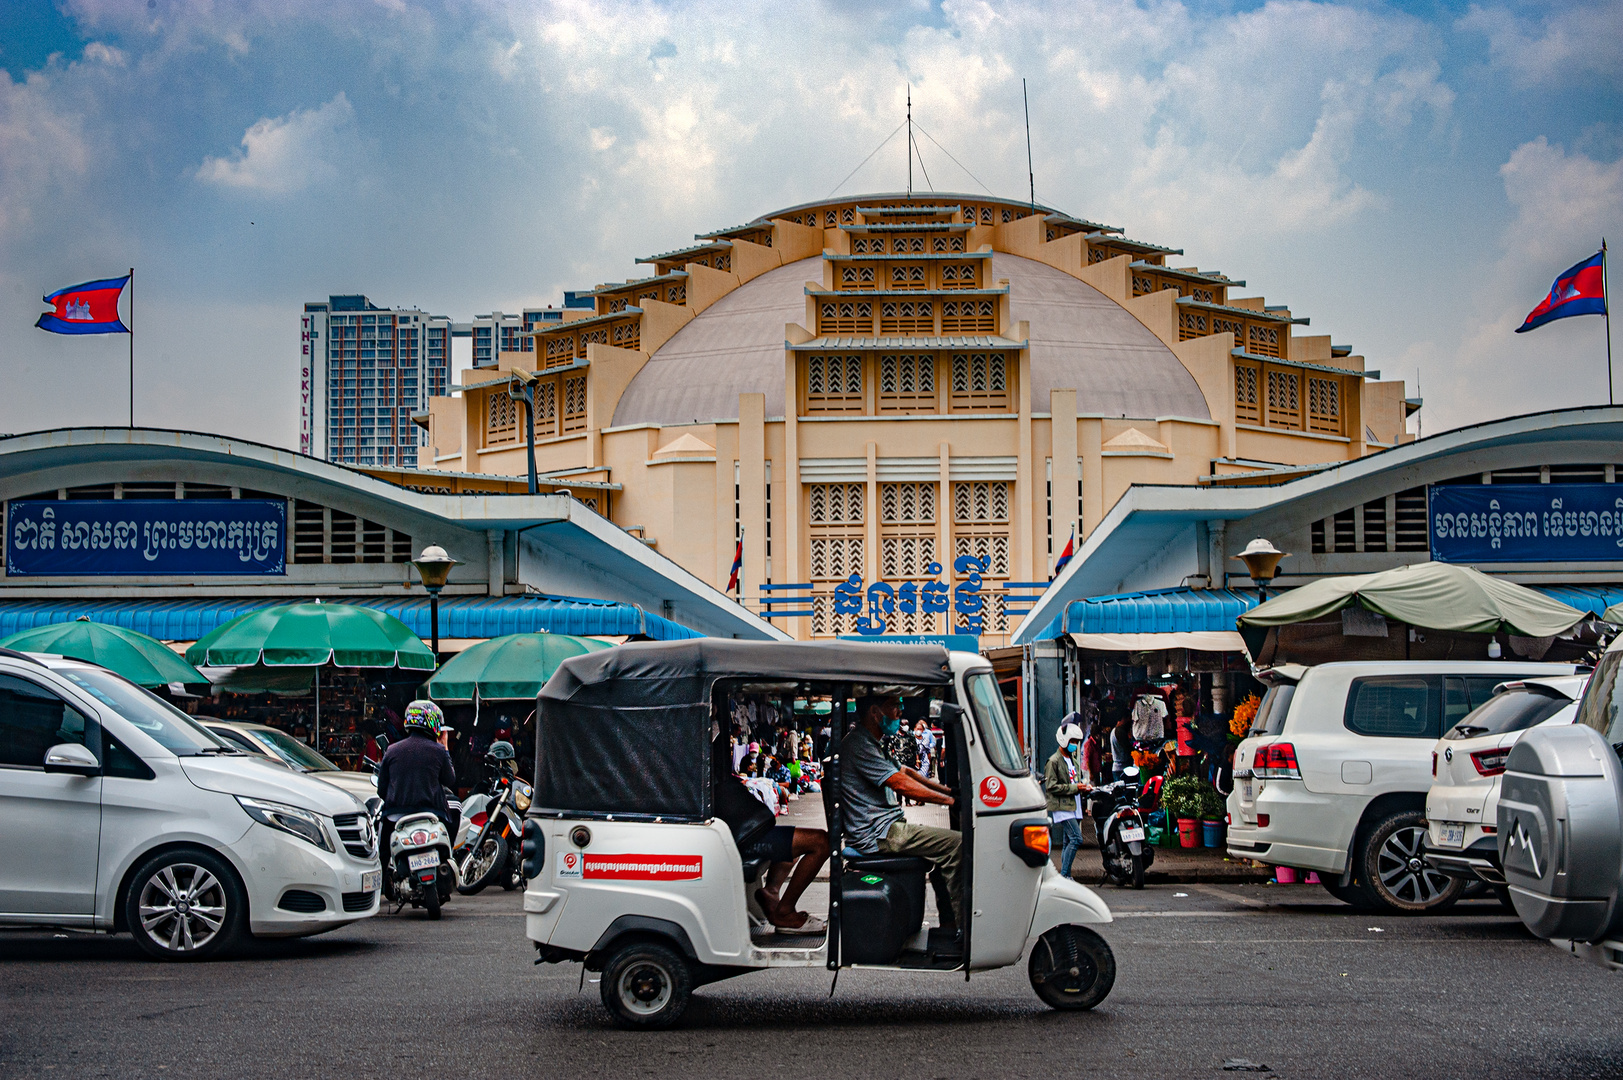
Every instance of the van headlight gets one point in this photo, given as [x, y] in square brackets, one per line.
[289, 819]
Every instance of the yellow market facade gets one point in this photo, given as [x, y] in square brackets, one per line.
[903, 405]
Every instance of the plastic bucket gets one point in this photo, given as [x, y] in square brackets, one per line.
[1212, 833]
[1284, 875]
[1186, 832]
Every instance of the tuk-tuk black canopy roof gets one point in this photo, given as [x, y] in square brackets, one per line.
[626, 731]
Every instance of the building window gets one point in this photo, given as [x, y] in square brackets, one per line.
[835, 514]
[1246, 409]
[1324, 405]
[1409, 520]
[907, 276]
[592, 337]
[907, 383]
[980, 513]
[856, 278]
[1191, 324]
[834, 384]
[1285, 399]
[846, 317]
[574, 418]
[968, 317]
[627, 335]
[676, 294]
[501, 419]
[907, 317]
[324, 535]
[1375, 525]
[958, 275]
[908, 245]
[546, 409]
[723, 260]
[980, 381]
[1264, 340]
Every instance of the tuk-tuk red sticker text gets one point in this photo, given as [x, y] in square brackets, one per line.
[642, 867]
[994, 791]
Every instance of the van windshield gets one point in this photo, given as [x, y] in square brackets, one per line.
[167, 725]
[1511, 710]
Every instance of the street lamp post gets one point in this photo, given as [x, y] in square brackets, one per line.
[521, 388]
[434, 567]
[1261, 560]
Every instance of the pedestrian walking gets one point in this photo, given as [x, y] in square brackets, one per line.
[1064, 785]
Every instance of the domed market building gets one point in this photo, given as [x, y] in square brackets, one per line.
[903, 405]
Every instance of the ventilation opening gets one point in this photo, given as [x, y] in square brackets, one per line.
[357, 901]
[301, 901]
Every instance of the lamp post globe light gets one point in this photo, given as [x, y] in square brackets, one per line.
[1261, 560]
[434, 567]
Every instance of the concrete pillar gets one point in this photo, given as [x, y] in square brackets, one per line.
[1091, 436]
[870, 560]
[752, 489]
[1023, 529]
[944, 531]
[1062, 448]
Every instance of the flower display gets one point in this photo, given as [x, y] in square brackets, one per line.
[1244, 713]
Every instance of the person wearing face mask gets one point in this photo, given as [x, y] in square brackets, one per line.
[874, 783]
[1064, 783]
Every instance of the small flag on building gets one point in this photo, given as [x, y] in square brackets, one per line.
[1065, 556]
[91, 308]
[738, 565]
[1580, 290]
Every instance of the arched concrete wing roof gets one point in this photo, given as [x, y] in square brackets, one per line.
[732, 347]
[1080, 339]
[1084, 341]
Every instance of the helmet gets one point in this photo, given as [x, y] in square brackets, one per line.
[500, 750]
[425, 715]
[1068, 734]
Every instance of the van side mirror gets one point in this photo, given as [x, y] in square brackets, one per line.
[945, 710]
[71, 758]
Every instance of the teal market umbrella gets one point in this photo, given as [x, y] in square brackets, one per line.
[509, 667]
[313, 635]
[143, 660]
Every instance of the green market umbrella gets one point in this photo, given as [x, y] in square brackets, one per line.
[1430, 596]
[143, 660]
[509, 667]
[311, 635]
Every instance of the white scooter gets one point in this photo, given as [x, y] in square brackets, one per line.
[420, 869]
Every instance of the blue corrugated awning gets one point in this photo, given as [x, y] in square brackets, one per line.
[1182, 611]
[460, 616]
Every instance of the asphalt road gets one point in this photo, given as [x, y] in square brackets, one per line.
[1281, 976]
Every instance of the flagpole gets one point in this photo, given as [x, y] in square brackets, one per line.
[132, 347]
[1607, 301]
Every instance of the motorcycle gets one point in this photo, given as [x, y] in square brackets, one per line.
[488, 842]
[420, 871]
[1115, 809]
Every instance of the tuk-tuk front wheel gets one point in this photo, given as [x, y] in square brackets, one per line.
[1071, 968]
[646, 986]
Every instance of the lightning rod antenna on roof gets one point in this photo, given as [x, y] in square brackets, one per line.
[909, 140]
[1030, 174]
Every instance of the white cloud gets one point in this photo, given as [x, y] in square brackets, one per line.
[285, 154]
[42, 147]
[1569, 42]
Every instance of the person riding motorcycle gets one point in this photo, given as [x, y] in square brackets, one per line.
[415, 774]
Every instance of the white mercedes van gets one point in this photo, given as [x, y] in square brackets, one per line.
[118, 812]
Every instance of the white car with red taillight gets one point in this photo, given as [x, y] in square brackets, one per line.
[1334, 773]
[1468, 763]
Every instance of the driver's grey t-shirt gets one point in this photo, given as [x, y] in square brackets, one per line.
[871, 808]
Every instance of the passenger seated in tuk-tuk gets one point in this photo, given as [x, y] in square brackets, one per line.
[797, 855]
[872, 782]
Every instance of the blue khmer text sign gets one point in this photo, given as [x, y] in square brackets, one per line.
[138, 537]
[929, 598]
[1471, 523]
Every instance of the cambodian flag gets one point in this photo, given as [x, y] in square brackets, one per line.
[738, 566]
[91, 308]
[1580, 290]
[1066, 555]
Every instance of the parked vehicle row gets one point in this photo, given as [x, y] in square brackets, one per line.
[1335, 773]
[120, 813]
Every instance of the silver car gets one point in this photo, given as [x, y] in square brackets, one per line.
[280, 746]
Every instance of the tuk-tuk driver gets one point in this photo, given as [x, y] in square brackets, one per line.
[874, 784]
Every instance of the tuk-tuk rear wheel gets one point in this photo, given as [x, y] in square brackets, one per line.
[646, 986]
[1071, 968]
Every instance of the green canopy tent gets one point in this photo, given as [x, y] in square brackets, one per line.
[312, 635]
[1426, 611]
[507, 668]
[143, 660]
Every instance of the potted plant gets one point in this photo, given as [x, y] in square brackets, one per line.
[1213, 808]
[1181, 797]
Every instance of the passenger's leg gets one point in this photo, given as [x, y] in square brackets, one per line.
[942, 847]
[811, 846]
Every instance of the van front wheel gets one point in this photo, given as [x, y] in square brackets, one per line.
[646, 986]
[1071, 968]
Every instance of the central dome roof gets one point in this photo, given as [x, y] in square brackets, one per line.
[1080, 339]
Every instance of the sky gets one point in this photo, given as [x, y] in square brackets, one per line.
[1410, 177]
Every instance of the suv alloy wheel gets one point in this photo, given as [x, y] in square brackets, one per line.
[1395, 873]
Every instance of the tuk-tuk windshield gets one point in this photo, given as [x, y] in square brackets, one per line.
[992, 720]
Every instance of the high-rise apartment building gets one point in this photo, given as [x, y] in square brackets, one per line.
[363, 371]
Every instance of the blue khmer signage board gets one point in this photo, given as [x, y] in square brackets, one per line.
[1488, 523]
[135, 537]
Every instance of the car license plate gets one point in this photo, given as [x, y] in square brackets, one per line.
[1450, 834]
[370, 880]
[423, 861]
[1246, 791]
[1129, 835]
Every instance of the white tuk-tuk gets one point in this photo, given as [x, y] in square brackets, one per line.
[634, 870]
